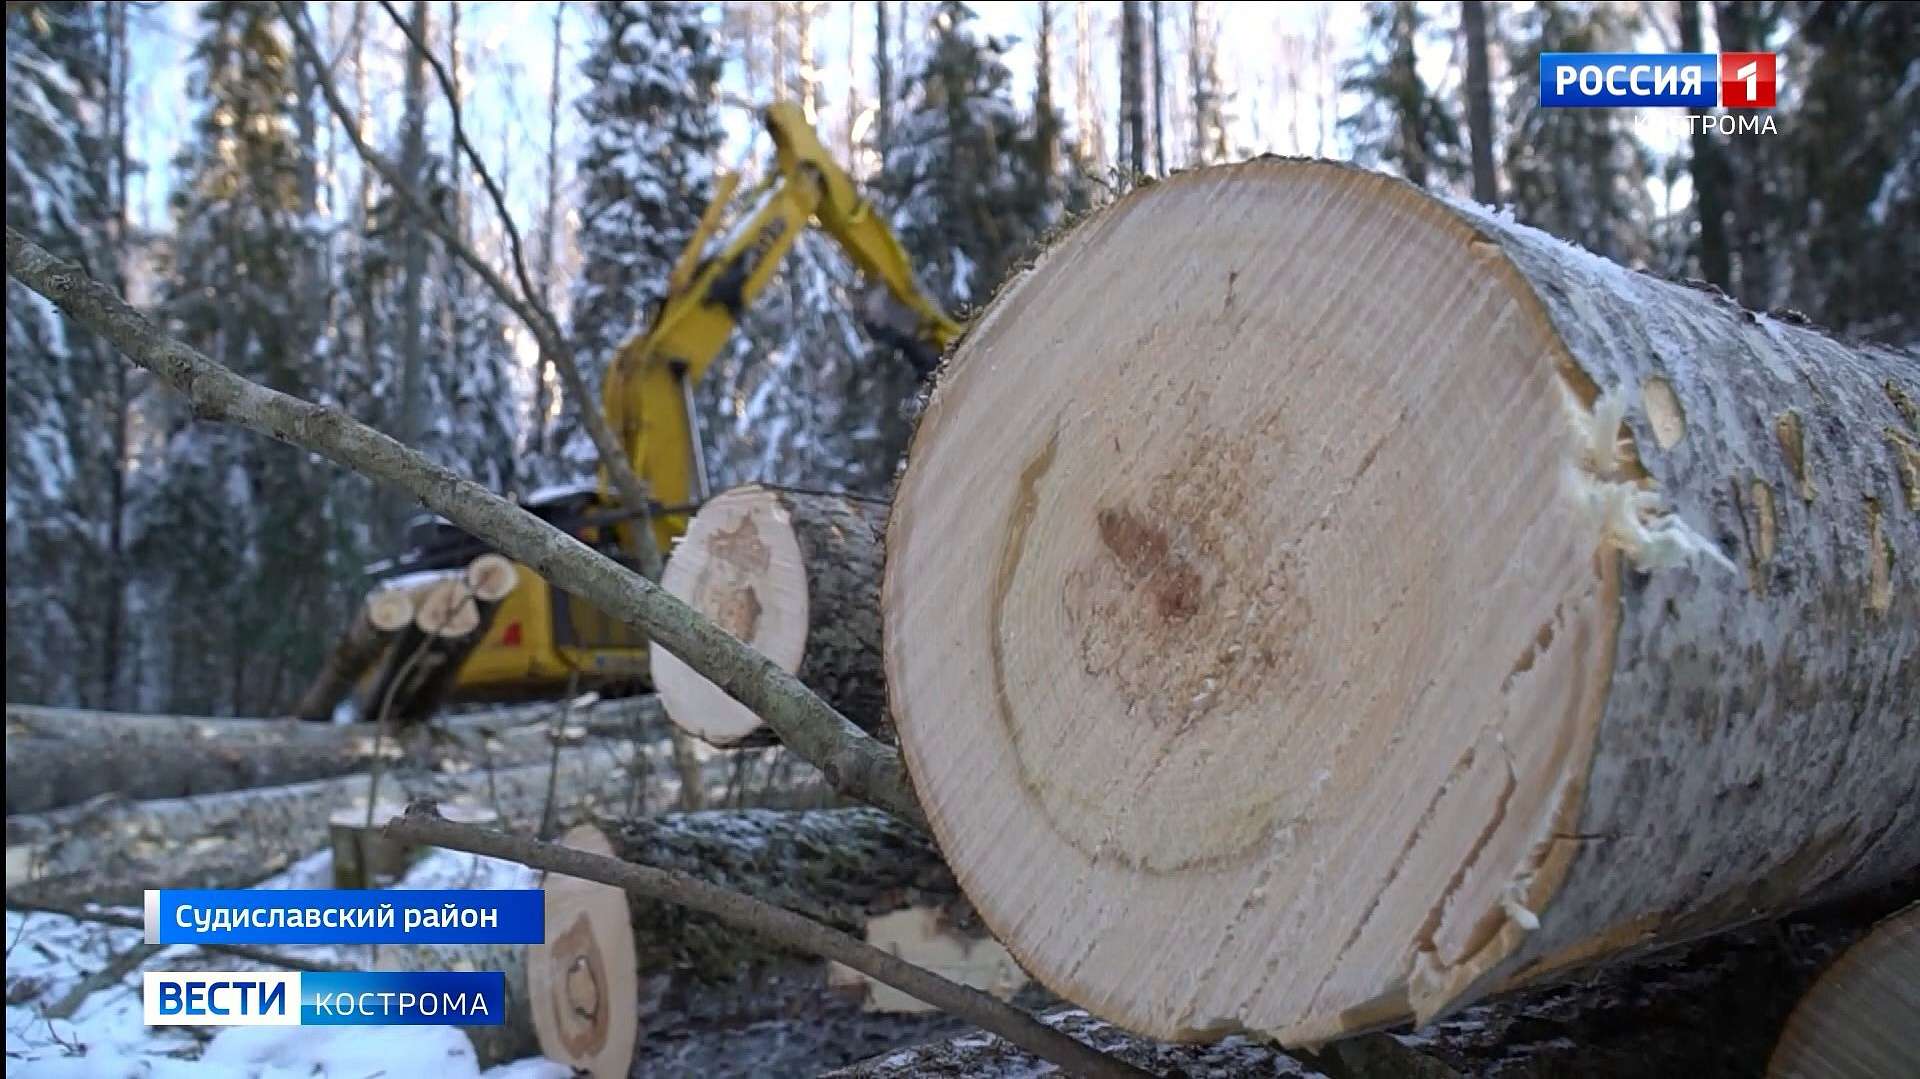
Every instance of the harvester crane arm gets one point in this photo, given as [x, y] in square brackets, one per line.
[648, 393]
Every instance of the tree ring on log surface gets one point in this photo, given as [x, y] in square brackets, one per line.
[740, 564]
[1861, 1019]
[1237, 588]
[586, 965]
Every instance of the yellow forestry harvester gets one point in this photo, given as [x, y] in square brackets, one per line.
[538, 641]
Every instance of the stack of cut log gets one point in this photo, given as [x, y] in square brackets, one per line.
[413, 637]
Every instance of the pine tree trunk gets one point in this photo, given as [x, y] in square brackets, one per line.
[1483, 611]
[1159, 97]
[796, 575]
[883, 80]
[1479, 90]
[1133, 124]
[1708, 172]
[413, 270]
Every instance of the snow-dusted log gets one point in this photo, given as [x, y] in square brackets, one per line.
[110, 850]
[60, 757]
[1861, 1019]
[1711, 1007]
[385, 612]
[1311, 604]
[856, 870]
[57, 758]
[795, 574]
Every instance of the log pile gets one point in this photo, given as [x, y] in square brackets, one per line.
[451, 617]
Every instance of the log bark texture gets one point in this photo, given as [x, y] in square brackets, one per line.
[856, 870]
[384, 614]
[110, 850]
[56, 757]
[1710, 1008]
[59, 757]
[1476, 610]
[795, 574]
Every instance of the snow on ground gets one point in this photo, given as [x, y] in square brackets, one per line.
[48, 955]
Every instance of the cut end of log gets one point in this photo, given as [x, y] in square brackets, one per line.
[390, 609]
[1861, 1017]
[924, 937]
[491, 577]
[447, 609]
[582, 982]
[1275, 626]
[740, 565]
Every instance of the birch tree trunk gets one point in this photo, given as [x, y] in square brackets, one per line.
[1481, 611]
[796, 575]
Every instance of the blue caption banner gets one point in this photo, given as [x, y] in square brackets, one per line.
[412, 998]
[1629, 80]
[202, 998]
[346, 916]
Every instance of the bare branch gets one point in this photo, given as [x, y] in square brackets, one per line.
[494, 194]
[422, 824]
[526, 306]
[852, 761]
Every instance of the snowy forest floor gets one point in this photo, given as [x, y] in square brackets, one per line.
[48, 955]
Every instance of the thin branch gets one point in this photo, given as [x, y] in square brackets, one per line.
[852, 761]
[525, 305]
[479, 165]
[423, 824]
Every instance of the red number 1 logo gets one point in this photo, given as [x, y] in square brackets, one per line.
[1747, 80]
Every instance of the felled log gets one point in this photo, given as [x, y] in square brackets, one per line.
[110, 850]
[59, 757]
[385, 612]
[1311, 604]
[1861, 1020]
[796, 575]
[56, 758]
[1712, 1007]
[365, 857]
[857, 870]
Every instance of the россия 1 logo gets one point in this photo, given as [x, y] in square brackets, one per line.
[1697, 80]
